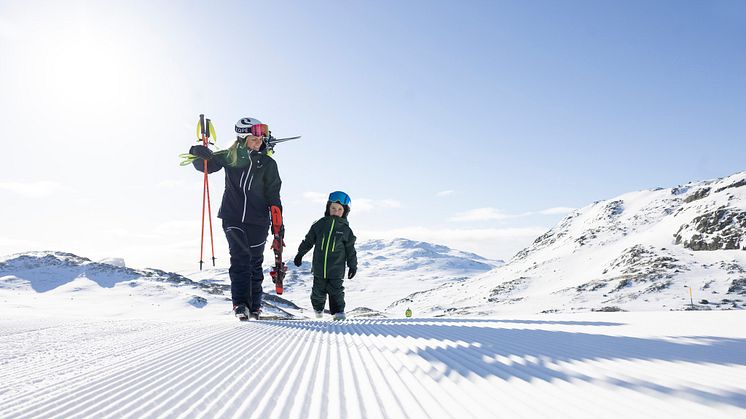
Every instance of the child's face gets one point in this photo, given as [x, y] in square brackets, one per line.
[336, 209]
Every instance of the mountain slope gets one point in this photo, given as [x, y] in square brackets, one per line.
[388, 270]
[64, 282]
[640, 251]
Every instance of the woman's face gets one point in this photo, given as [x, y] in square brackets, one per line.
[253, 142]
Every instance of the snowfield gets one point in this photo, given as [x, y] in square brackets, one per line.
[652, 364]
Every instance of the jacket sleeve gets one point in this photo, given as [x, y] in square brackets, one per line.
[308, 242]
[202, 152]
[212, 165]
[351, 252]
[272, 184]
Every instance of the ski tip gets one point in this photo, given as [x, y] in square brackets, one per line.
[278, 290]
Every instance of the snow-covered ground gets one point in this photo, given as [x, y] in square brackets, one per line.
[595, 365]
[97, 339]
[649, 250]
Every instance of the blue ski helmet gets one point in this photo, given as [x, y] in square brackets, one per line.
[340, 197]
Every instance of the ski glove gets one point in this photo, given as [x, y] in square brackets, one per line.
[351, 273]
[201, 151]
[298, 260]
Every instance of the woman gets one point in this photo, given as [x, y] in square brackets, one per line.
[250, 200]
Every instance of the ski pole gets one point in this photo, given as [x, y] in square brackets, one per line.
[204, 130]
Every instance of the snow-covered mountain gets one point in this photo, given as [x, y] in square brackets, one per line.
[643, 250]
[65, 282]
[388, 271]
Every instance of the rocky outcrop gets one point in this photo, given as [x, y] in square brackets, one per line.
[722, 229]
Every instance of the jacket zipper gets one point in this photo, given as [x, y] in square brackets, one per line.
[243, 189]
[326, 254]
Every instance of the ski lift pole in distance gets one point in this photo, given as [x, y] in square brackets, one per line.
[204, 130]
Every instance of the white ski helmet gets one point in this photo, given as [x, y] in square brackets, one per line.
[243, 126]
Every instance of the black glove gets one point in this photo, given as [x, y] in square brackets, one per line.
[298, 260]
[201, 151]
[351, 273]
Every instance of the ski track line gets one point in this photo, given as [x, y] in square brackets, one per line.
[391, 388]
[604, 371]
[193, 404]
[213, 359]
[400, 376]
[235, 381]
[277, 347]
[460, 356]
[368, 369]
[389, 368]
[305, 386]
[89, 387]
[453, 354]
[408, 370]
[611, 372]
[290, 388]
[162, 372]
[266, 399]
[93, 393]
[48, 393]
[373, 408]
[566, 352]
[111, 349]
[370, 406]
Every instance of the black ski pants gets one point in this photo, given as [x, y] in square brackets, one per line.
[336, 291]
[246, 245]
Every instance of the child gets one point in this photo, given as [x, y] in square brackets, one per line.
[335, 245]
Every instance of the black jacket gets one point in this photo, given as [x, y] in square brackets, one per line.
[250, 191]
[334, 245]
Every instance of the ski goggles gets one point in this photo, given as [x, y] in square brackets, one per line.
[257, 130]
[340, 197]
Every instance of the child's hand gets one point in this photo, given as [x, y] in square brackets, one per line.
[351, 273]
[298, 260]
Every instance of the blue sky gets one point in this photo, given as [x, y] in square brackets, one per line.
[471, 124]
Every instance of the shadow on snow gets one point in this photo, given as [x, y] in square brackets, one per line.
[530, 354]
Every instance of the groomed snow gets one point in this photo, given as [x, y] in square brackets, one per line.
[652, 364]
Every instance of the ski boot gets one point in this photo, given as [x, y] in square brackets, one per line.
[254, 315]
[340, 316]
[241, 312]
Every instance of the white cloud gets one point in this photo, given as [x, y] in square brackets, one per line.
[557, 211]
[38, 189]
[123, 233]
[487, 214]
[444, 193]
[315, 197]
[482, 214]
[358, 205]
[365, 204]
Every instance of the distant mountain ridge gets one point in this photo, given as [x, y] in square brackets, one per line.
[640, 251]
[388, 271]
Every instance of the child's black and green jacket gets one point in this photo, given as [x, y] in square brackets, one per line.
[334, 245]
